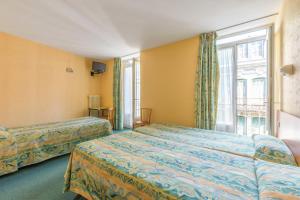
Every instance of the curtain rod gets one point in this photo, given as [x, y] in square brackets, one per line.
[253, 20]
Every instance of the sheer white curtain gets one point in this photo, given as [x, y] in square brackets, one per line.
[127, 93]
[131, 91]
[225, 115]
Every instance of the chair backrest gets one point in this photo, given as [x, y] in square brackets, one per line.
[146, 115]
[94, 101]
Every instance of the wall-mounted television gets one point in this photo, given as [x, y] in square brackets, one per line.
[98, 68]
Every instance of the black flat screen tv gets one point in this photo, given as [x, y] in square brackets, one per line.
[98, 68]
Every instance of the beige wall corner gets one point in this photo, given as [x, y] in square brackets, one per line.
[34, 84]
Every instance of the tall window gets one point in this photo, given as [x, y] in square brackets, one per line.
[243, 101]
[131, 89]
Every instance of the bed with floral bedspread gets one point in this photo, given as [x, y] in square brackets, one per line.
[138, 166]
[28, 145]
[263, 147]
[220, 141]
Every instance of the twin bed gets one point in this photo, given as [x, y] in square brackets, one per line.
[28, 145]
[172, 162]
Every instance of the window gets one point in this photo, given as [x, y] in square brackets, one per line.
[244, 86]
[131, 89]
[260, 90]
[243, 52]
[252, 51]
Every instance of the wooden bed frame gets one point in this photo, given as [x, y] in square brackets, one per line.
[288, 129]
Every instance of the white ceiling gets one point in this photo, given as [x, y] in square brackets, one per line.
[108, 28]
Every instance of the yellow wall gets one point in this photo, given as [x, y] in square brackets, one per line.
[289, 25]
[167, 81]
[35, 86]
[106, 86]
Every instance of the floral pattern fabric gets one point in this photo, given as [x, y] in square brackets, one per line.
[32, 144]
[138, 166]
[207, 82]
[117, 93]
[226, 142]
[272, 149]
[8, 153]
[277, 181]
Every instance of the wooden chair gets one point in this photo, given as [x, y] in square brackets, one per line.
[145, 118]
[109, 115]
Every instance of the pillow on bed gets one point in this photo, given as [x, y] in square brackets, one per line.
[272, 149]
[3, 128]
[277, 181]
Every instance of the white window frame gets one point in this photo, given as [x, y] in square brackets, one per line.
[270, 29]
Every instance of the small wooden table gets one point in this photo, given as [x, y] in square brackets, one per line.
[99, 110]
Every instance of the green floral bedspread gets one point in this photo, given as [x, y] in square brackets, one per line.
[32, 144]
[8, 153]
[221, 141]
[137, 166]
[277, 181]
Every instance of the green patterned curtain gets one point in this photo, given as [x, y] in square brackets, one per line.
[117, 92]
[207, 82]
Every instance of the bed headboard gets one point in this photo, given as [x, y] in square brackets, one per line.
[288, 129]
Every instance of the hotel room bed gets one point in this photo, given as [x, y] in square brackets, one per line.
[221, 141]
[258, 146]
[32, 144]
[138, 166]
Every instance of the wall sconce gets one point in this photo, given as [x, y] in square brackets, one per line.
[69, 70]
[287, 70]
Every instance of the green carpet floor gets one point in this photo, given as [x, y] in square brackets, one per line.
[43, 181]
